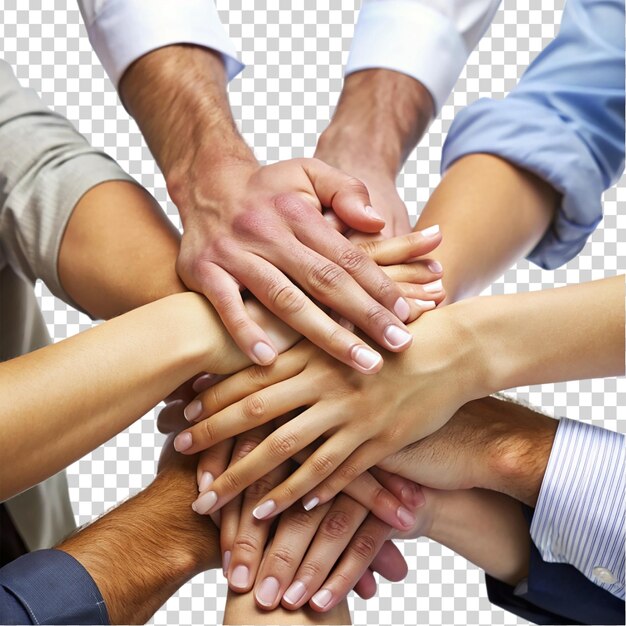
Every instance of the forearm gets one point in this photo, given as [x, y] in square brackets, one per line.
[242, 609]
[570, 333]
[140, 553]
[490, 214]
[76, 394]
[178, 96]
[486, 528]
[380, 117]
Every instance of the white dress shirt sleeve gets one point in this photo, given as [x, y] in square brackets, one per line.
[579, 517]
[121, 31]
[429, 40]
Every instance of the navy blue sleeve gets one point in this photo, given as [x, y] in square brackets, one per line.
[49, 587]
[556, 593]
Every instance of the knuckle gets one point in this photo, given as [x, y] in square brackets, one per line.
[212, 398]
[299, 520]
[246, 543]
[353, 260]
[370, 248]
[244, 447]
[232, 482]
[286, 299]
[209, 431]
[385, 287]
[355, 185]
[259, 488]
[325, 277]
[335, 525]
[282, 445]
[257, 374]
[349, 471]
[310, 569]
[254, 407]
[281, 558]
[364, 547]
[377, 314]
[291, 205]
[322, 464]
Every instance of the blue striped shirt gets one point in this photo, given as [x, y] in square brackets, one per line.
[580, 513]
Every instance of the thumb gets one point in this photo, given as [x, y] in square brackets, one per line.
[346, 195]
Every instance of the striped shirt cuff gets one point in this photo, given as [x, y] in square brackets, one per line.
[579, 518]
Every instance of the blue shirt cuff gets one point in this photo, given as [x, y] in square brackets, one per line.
[51, 587]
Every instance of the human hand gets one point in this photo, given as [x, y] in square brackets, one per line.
[262, 228]
[364, 420]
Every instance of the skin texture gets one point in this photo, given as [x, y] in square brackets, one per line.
[259, 227]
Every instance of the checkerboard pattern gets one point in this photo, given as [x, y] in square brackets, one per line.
[294, 53]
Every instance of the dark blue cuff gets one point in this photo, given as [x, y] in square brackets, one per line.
[49, 587]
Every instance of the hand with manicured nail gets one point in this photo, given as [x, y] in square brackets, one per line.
[363, 419]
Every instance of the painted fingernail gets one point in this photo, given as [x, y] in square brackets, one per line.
[205, 502]
[263, 353]
[193, 411]
[240, 576]
[205, 481]
[372, 212]
[433, 287]
[203, 382]
[226, 562]
[406, 518]
[268, 591]
[264, 510]
[427, 305]
[401, 309]
[431, 231]
[365, 358]
[311, 503]
[295, 592]
[396, 336]
[183, 442]
[322, 598]
[435, 267]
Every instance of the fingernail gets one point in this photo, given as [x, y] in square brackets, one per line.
[401, 309]
[311, 503]
[205, 502]
[371, 211]
[205, 481]
[427, 305]
[406, 518]
[193, 411]
[295, 592]
[203, 382]
[183, 442]
[433, 287]
[322, 598]
[268, 591]
[239, 577]
[435, 267]
[366, 358]
[413, 495]
[396, 336]
[226, 562]
[264, 510]
[263, 353]
[431, 231]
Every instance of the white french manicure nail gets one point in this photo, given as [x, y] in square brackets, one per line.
[263, 353]
[401, 309]
[265, 509]
[205, 502]
[193, 411]
[366, 358]
[396, 336]
[431, 231]
[427, 305]
[294, 594]
[433, 287]
[311, 503]
[322, 598]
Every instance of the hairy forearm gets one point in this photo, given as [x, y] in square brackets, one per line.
[242, 609]
[76, 394]
[380, 117]
[570, 333]
[140, 553]
[490, 214]
[485, 527]
[177, 95]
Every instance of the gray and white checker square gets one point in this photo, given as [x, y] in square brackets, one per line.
[294, 54]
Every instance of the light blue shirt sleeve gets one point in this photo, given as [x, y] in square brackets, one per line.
[564, 122]
[580, 518]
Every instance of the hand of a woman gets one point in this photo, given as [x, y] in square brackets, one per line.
[363, 419]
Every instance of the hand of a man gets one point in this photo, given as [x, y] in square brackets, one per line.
[262, 228]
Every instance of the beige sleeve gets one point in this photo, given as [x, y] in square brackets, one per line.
[46, 166]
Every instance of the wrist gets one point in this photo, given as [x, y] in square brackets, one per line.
[380, 117]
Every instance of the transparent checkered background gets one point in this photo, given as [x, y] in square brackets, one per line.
[283, 99]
